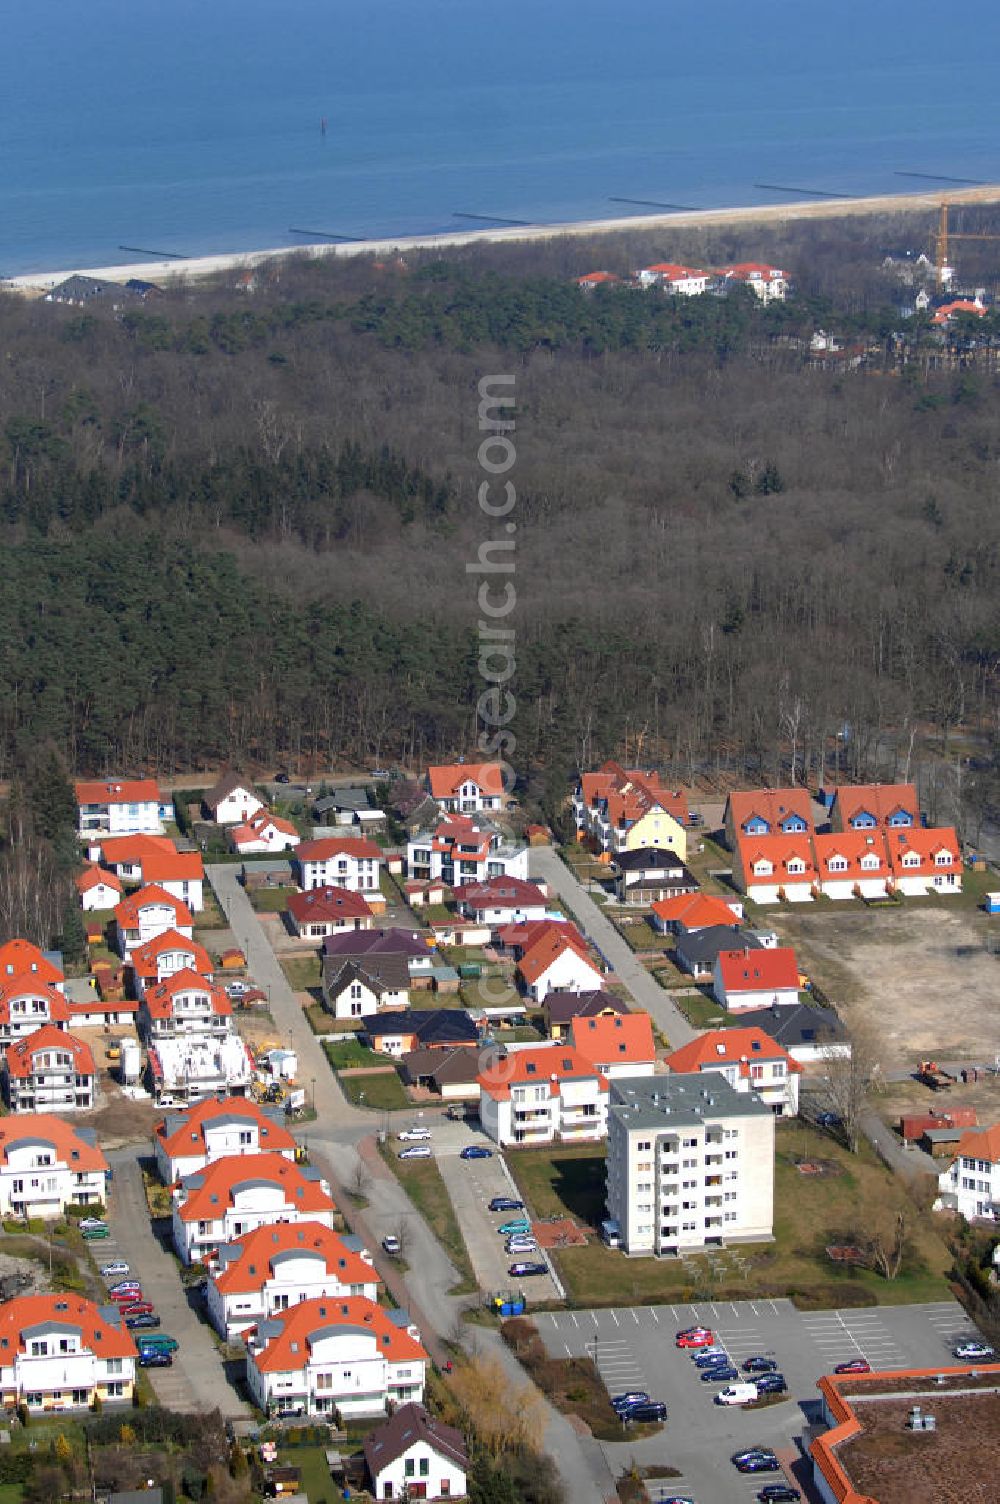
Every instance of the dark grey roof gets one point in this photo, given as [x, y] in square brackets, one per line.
[410, 1424]
[347, 798]
[792, 1024]
[451, 1067]
[562, 1007]
[379, 973]
[78, 289]
[227, 784]
[671, 1102]
[650, 859]
[430, 1025]
[705, 945]
[357, 945]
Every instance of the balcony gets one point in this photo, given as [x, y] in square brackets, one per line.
[711, 1180]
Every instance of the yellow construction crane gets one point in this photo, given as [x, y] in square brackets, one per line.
[944, 238]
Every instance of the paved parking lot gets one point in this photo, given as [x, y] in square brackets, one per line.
[634, 1349]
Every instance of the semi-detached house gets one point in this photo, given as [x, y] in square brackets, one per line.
[279, 1266]
[618, 809]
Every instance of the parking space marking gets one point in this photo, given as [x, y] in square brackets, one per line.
[575, 1322]
[654, 1316]
[614, 1317]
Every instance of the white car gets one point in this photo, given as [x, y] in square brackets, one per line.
[414, 1135]
[517, 1246]
[974, 1352]
[416, 1151]
[116, 1270]
[392, 1245]
[90, 1224]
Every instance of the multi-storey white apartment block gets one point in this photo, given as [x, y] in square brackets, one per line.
[971, 1183]
[188, 1140]
[233, 1196]
[45, 1166]
[690, 1164]
[50, 1071]
[61, 1352]
[542, 1095]
[274, 1268]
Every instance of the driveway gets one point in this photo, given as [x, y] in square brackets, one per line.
[198, 1380]
[645, 992]
[472, 1184]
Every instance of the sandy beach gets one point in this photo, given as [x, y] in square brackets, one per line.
[762, 214]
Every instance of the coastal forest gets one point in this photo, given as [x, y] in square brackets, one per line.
[236, 519]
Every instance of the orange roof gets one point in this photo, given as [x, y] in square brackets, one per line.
[445, 782]
[289, 1351]
[127, 912]
[46, 1128]
[880, 800]
[772, 805]
[545, 1065]
[328, 846]
[172, 866]
[984, 1143]
[527, 932]
[159, 999]
[745, 271]
[210, 1191]
[258, 1250]
[19, 958]
[189, 1138]
[30, 986]
[26, 1312]
[144, 958]
[593, 279]
[547, 949]
[92, 876]
[261, 821]
[759, 970]
[130, 850]
[20, 1055]
[628, 794]
[606, 1040]
[672, 272]
[729, 1047]
[851, 846]
[694, 911]
[780, 851]
[961, 305]
[928, 845]
[119, 791]
[455, 830]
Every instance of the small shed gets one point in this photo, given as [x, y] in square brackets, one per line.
[992, 903]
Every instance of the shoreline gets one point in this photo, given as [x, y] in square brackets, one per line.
[207, 266]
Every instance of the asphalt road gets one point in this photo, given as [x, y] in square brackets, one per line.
[645, 992]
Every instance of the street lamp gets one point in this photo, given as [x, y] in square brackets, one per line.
[313, 1093]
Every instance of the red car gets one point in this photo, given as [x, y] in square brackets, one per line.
[138, 1308]
[125, 1297]
[695, 1336]
[856, 1365]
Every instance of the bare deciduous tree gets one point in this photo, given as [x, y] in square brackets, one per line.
[848, 1079]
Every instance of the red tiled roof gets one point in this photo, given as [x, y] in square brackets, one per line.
[593, 279]
[729, 1047]
[25, 1312]
[129, 850]
[118, 791]
[779, 850]
[499, 892]
[670, 271]
[92, 876]
[127, 912]
[628, 794]
[445, 782]
[189, 1138]
[851, 845]
[694, 911]
[209, 1201]
[328, 902]
[547, 1065]
[547, 949]
[46, 1128]
[927, 844]
[160, 998]
[877, 799]
[328, 846]
[172, 866]
[253, 829]
[19, 958]
[144, 958]
[759, 970]
[30, 986]
[984, 1143]
[20, 1055]
[255, 1265]
[961, 305]
[289, 1352]
[772, 805]
[605, 1041]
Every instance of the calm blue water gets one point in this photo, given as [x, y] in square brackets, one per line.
[194, 126]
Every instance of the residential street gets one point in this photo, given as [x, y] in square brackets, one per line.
[646, 994]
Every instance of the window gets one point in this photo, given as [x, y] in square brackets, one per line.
[115, 1389]
[690, 1143]
[39, 1349]
[756, 1073]
[425, 1466]
[409, 1468]
[644, 1146]
[114, 1365]
[778, 1070]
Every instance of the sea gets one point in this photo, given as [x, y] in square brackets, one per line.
[130, 129]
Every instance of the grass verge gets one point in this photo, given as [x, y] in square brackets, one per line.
[303, 972]
[573, 1385]
[422, 1182]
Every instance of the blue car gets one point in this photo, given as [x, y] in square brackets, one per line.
[476, 1151]
[713, 1360]
[719, 1375]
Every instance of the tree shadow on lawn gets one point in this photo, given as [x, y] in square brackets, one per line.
[580, 1185]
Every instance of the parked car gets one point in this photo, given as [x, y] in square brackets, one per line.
[125, 1298]
[759, 1365]
[715, 1351]
[117, 1269]
[759, 1462]
[771, 1383]
[737, 1394]
[649, 1410]
[856, 1365]
[828, 1119]
[678, 1499]
[392, 1245]
[160, 1343]
[129, 1287]
[526, 1270]
[778, 1493]
[506, 1204]
[150, 1358]
[94, 1234]
[416, 1151]
[695, 1336]
[719, 1373]
[414, 1135]
[515, 1225]
[282, 777]
[629, 1398]
[141, 1323]
[516, 1248]
[138, 1308]
[712, 1360]
[974, 1352]
[476, 1151]
[752, 1451]
[91, 1224]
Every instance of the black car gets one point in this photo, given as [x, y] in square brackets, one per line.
[759, 1365]
[778, 1493]
[648, 1411]
[752, 1451]
[282, 778]
[136, 1323]
[771, 1383]
[526, 1270]
[759, 1462]
[149, 1358]
[631, 1397]
[719, 1374]
[506, 1204]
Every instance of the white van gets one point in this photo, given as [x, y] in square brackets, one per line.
[736, 1394]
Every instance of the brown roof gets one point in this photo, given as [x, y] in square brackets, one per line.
[563, 1007]
[411, 1424]
[227, 784]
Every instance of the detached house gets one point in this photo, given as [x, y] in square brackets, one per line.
[263, 831]
[461, 850]
[617, 1045]
[232, 801]
[398, 1033]
[61, 1352]
[416, 1456]
[619, 810]
[697, 951]
[681, 281]
[119, 807]
[187, 1140]
[775, 869]
[467, 788]
[50, 1071]
[852, 863]
[25, 1005]
[354, 863]
[925, 861]
[46, 1166]
[282, 1265]
[750, 1060]
[651, 875]
[971, 1183]
[351, 1356]
[370, 946]
[183, 1003]
[353, 989]
[160, 959]
[328, 911]
[557, 960]
[542, 1095]
[500, 901]
[561, 1008]
[146, 915]
[97, 889]
[875, 806]
[748, 978]
[767, 812]
[20, 958]
[179, 873]
[234, 1195]
[696, 911]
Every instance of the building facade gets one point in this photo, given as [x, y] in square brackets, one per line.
[277, 1267]
[61, 1352]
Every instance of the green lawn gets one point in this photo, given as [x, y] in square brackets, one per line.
[382, 1091]
[11, 1493]
[810, 1213]
[349, 1052]
[270, 900]
[421, 1180]
[701, 1011]
[315, 1474]
[303, 972]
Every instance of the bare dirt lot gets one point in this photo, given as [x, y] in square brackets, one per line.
[925, 978]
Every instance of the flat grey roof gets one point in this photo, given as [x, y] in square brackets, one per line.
[678, 1101]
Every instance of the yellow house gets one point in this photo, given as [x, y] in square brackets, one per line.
[618, 809]
[657, 827]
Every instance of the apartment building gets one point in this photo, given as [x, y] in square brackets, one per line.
[148, 914]
[543, 1095]
[750, 1060]
[461, 850]
[188, 1140]
[234, 1195]
[971, 1183]
[120, 807]
[184, 1003]
[690, 1164]
[354, 863]
[61, 1352]
[46, 1166]
[50, 1071]
[274, 1268]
